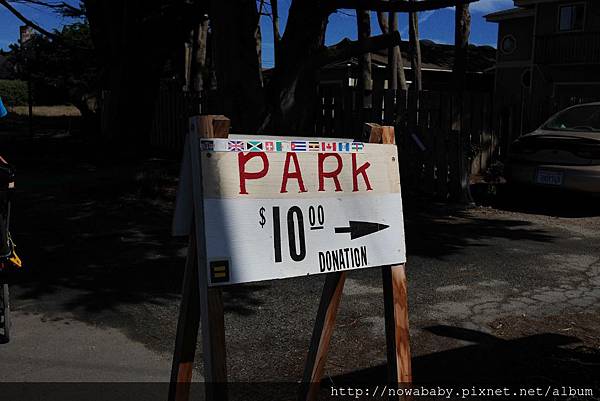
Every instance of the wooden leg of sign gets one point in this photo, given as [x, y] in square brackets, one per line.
[187, 329]
[200, 303]
[216, 384]
[187, 336]
[395, 298]
[319, 344]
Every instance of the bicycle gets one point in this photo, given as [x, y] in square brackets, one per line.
[9, 261]
[5, 313]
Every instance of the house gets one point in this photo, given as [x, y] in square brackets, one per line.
[548, 58]
[437, 60]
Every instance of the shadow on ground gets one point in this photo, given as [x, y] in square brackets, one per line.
[97, 222]
[540, 359]
[95, 225]
[440, 231]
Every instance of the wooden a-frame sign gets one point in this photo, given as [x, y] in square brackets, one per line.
[218, 254]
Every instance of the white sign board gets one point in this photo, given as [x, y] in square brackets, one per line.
[276, 209]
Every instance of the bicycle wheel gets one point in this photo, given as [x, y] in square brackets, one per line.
[5, 312]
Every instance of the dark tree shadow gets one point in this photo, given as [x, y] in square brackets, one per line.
[440, 230]
[93, 228]
[94, 222]
[549, 359]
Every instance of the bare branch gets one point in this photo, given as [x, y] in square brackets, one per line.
[383, 21]
[26, 21]
[397, 5]
[275, 25]
[61, 6]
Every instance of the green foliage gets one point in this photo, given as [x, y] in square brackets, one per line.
[13, 92]
[62, 70]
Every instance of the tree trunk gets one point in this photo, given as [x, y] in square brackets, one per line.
[199, 56]
[415, 61]
[462, 30]
[365, 77]
[133, 40]
[276, 35]
[415, 50]
[236, 44]
[292, 89]
[396, 75]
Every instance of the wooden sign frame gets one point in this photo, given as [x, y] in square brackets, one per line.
[202, 306]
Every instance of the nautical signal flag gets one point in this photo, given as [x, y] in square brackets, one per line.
[343, 146]
[254, 146]
[298, 146]
[357, 146]
[235, 146]
[276, 146]
[328, 146]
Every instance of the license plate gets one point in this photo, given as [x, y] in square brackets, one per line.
[549, 177]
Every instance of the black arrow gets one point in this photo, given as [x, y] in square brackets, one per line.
[359, 229]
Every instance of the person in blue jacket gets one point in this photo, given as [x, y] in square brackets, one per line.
[3, 111]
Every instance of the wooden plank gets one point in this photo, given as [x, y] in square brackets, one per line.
[389, 100]
[187, 329]
[323, 329]
[208, 304]
[487, 144]
[441, 148]
[397, 336]
[377, 111]
[348, 113]
[395, 301]
[338, 112]
[426, 135]
[454, 148]
[319, 113]
[476, 106]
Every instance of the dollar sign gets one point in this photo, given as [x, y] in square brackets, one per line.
[262, 217]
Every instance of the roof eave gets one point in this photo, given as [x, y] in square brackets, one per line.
[509, 14]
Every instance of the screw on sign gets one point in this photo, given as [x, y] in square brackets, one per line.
[317, 211]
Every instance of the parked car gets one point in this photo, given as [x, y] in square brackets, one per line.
[563, 153]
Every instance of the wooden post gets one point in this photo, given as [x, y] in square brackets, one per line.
[395, 299]
[319, 344]
[395, 304]
[199, 302]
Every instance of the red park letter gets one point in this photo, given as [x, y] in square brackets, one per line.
[329, 174]
[244, 175]
[297, 174]
[362, 170]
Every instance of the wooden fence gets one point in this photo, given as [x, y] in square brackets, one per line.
[429, 138]
[172, 109]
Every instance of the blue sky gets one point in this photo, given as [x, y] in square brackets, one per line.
[434, 25]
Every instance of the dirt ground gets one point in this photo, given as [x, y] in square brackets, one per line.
[507, 292]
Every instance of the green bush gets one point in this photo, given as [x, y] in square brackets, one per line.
[13, 92]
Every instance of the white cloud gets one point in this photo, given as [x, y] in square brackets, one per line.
[489, 6]
[423, 16]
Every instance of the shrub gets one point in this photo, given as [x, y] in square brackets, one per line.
[13, 92]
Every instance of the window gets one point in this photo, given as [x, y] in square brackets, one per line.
[508, 44]
[579, 118]
[570, 18]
